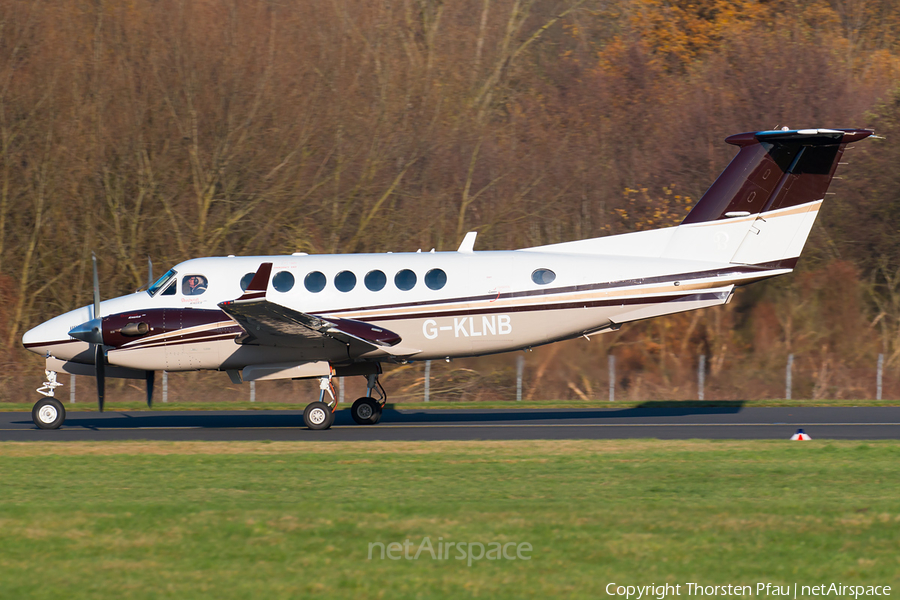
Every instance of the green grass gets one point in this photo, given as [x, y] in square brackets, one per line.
[300, 405]
[290, 520]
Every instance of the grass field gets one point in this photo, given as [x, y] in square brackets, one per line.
[287, 520]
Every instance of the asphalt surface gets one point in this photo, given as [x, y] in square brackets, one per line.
[859, 423]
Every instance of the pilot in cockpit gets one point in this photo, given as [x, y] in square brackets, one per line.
[194, 285]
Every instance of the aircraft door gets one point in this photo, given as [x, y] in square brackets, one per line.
[489, 326]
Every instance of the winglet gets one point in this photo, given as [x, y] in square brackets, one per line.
[258, 285]
[468, 243]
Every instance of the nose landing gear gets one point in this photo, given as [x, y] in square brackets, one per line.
[48, 412]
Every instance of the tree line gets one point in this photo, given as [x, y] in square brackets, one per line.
[183, 128]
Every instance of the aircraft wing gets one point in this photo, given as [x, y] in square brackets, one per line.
[270, 324]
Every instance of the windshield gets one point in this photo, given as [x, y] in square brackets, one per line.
[161, 282]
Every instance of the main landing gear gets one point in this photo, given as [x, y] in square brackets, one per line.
[48, 412]
[365, 411]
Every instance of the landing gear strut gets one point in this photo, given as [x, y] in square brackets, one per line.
[367, 410]
[48, 412]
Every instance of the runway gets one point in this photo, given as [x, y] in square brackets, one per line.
[847, 423]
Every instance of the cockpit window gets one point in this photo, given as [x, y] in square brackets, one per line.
[161, 282]
[170, 291]
[193, 285]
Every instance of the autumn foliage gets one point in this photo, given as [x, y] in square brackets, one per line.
[181, 128]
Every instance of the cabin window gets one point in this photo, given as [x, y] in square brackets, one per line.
[376, 280]
[245, 281]
[315, 282]
[193, 285]
[435, 279]
[345, 281]
[283, 281]
[543, 276]
[405, 280]
[161, 282]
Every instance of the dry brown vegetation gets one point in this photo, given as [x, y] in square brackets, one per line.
[181, 128]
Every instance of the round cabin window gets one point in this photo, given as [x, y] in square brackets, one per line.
[245, 281]
[376, 280]
[543, 276]
[345, 281]
[405, 280]
[435, 279]
[315, 282]
[283, 281]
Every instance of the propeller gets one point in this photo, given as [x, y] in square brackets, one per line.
[99, 355]
[150, 376]
[100, 370]
[92, 332]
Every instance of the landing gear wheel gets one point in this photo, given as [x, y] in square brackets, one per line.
[48, 413]
[318, 415]
[366, 411]
[378, 408]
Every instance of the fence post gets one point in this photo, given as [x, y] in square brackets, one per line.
[701, 376]
[72, 389]
[427, 381]
[612, 377]
[877, 377]
[788, 377]
[165, 387]
[520, 371]
[252, 391]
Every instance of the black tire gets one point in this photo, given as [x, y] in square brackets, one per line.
[318, 415]
[48, 413]
[365, 411]
[378, 413]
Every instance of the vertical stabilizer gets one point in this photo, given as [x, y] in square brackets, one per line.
[763, 205]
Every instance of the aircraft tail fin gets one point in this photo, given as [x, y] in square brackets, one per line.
[763, 205]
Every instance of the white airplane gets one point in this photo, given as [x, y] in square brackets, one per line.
[326, 316]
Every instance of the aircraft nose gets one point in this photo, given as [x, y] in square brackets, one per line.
[35, 338]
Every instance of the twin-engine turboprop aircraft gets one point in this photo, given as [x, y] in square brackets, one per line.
[299, 316]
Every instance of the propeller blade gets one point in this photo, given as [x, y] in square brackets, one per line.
[151, 377]
[96, 287]
[149, 271]
[100, 369]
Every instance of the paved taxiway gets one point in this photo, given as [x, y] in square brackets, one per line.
[863, 423]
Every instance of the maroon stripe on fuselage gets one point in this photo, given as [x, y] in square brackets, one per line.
[54, 343]
[181, 342]
[230, 330]
[559, 306]
[723, 272]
